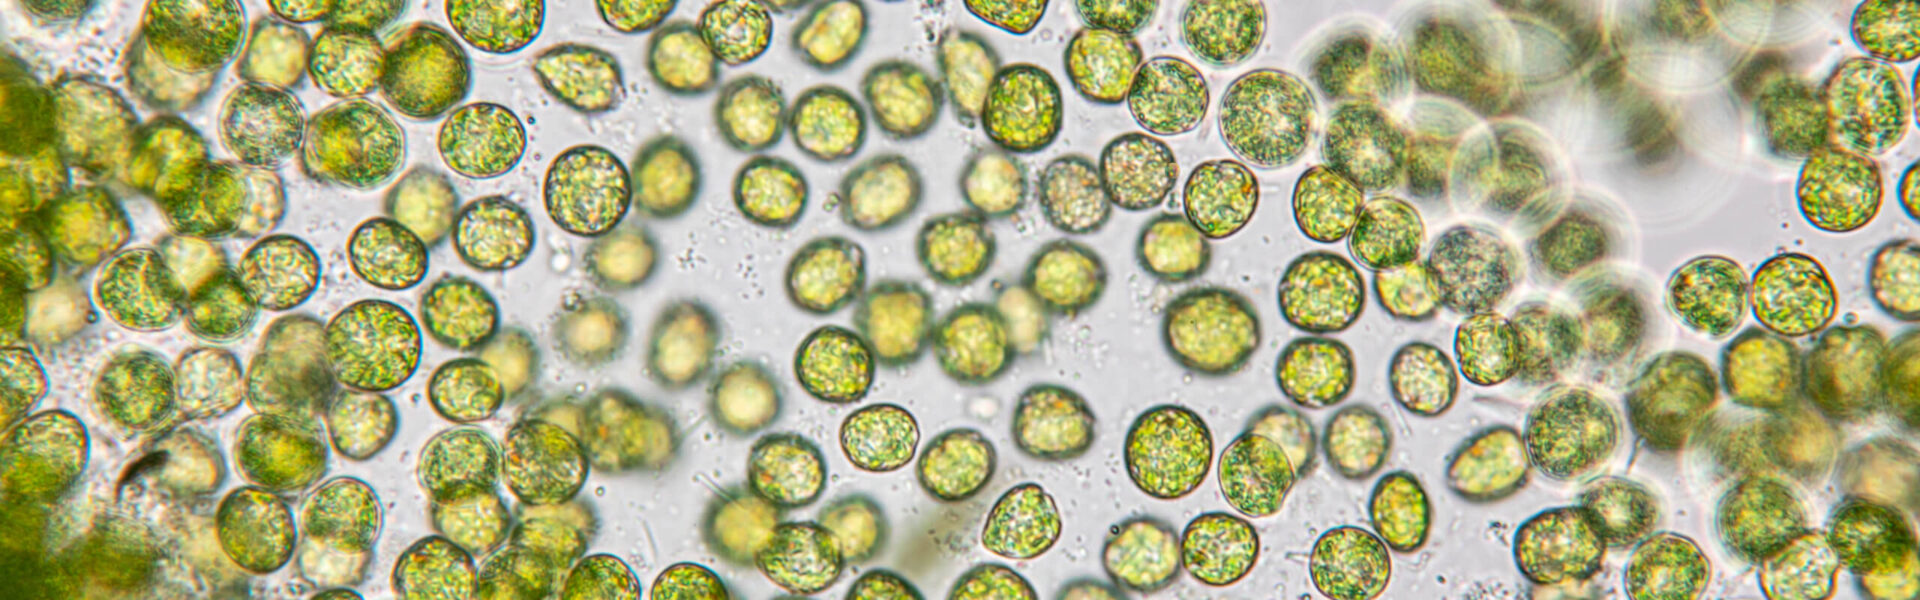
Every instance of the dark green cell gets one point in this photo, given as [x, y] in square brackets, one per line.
[1138, 170]
[1400, 512]
[1624, 511]
[1168, 450]
[1667, 566]
[1223, 32]
[425, 73]
[1366, 144]
[1709, 294]
[194, 35]
[1387, 233]
[261, 125]
[1100, 63]
[1888, 29]
[1558, 545]
[1120, 16]
[1255, 474]
[1020, 109]
[1757, 516]
[373, 345]
[1473, 267]
[137, 289]
[43, 455]
[1839, 190]
[736, 31]
[1570, 431]
[1220, 197]
[255, 529]
[1669, 395]
[492, 233]
[586, 190]
[1218, 548]
[991, 581]
[1168, 96]
[280, 452]
[387, 254]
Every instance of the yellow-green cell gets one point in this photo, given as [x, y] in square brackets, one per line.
[1172, 249]
[433, 568]
[346, 62]
[737, 31]
[955, 248]
[956, 464]
[497, 26]
[744, 397]
[786, 469]
[905, 100]
[623, 258]
[971, 343]
[1870, 538]
[1839, 190]
[1888, 29]
[23, 383]
[194, 35]
[1570, 431]
[584, 77]
[1141, 554]
[426, 72]
[1314, 371]
[631, 16]
[1557, 545]
[459, 462]
[386, 254]
[1366, 144]
[136, 289]
[586, 190]
[360, 424]
[995, 183]
[492, 233]
[482, 140]
[1023, 524]
[1669, 395]
[831, 33]
[1400, 512]
[261, 125]
[1218, 548]
[1168, 451]
[1900, 376]
[770, 191]
[464, 389]
[689, 581]
[255, 529]
[1255, 474]
[1803, 570]
[1422, 378]
[895, 317]
[880, 192]
[1792, 115]
[1014, 16]
[1020, 109]
[1072, 195]
[1119, 16]
[1473, 267]
[879, 438]
[1220, 197]
[1757, 516]
[858, 526]
[373, 345]
[1052, 422]
[991, 581]
[1167, 96]
[1709, 294]
[1624, 511]
[1386, 234]
[666, 177]
[751, 112]
[43, 455]
[1489, 465]
[1549, 337]
[96, 123]
[280, 452]
[1577, 238]
[967, 67]
[1357, 63]
[353, 143]
[680, 60]
[1667, 566]
[1869, 105]
[621, 432]
[1325, 204]
[1321, 292]
[834, 365]
[371, 15]
[1357, 442]
[1223, 32]
[738, 524]
[1026, 316]
[1101, 63]
[1349, 563]
[1843, 376]
[1894, 278]
[459, 313]
[1792, 295]
[827, 123]
[1267, 117]
[681, 347]
[1212, 330]
[591, 331]
[424, 201]
[1761, 369]
[134, 390]
[1067, 276]
[1138, 171]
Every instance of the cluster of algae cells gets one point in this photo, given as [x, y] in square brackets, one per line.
[182, 363]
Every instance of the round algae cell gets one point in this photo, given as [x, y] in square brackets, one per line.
[880, 192]
[1489, 465]
[1761, 369]
[1844, 376]
[255, 529]
[1870, 538]
[207, 382]
[744, 397]
[1557, 545]
[1218, 548]
[1400, 511]
[1220, 197]
[1349, 563]
[881, 584]
[1167, 96]
[1267, 118]
[586, 190]
[1315, 372]
[1570, 431]
[346, 62]
[459, 462]
[994, 183]
[991, 581]
[1803, 570]
[680, 60]
[1709, 294]
[1321, 292]
[1026, 317]
[1141, 554]
[1255, 474]
[623, 258]
[424, 201]
[895, 317]
[825, 274]
[1212, 330]
[261, 125]
[43, 455]
[1119, 16]
[691, 581]
[1422, 379]
[770, 191]
[1101, 63]
[497, 26]
[425, 72]
[360, 424]
[632, 16]
[136, 288]
[1386, 234]
[967, 67]
[1839, 190]
[482, 140]
[831, 33]
[1473, 267]
[280, 271]
[134, 390]
[1894, 278]
[1021, 108]
[1325, 204]
[280, 452]
[1488, 349]
[971, 343]
[956, 464]
[432, 568]
[194, 35]
[1757, 516]
[905, 100]
[1868, 104]
[493, 233]
[1023, 523]
[1355, 62]
[464, 390]
[879, 438]
[1624, 511]
[1072, 196]
[1223, 32]
[459, 313]
[1052, 422]
[1667, 566]
[786, 469]
[621, 432]
[737, 525]
[666, 177]
[1067, 276]
[1168, 451]
[591, 331]
[1549, 337]
[1015, 16]
[737, 31]
[1668, 397]
[827, 123]
[373, 345]
[834, 365]
[681, 347]
[386, 254]
[858, 526]
[1409, 292]
[751, 112]
[1138, 171]
[1357, 442]
[1172, 249]
[354, 143]
[1888, 29]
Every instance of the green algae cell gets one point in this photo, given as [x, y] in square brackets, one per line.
[621, 433]
[1667, 566]
[737, 524]
[967, 67]
[1168, 96]
[1357, 442]
[879, 438]
[994, 183]
[386, 254]
[623, 258]
[586, 190]
[601, 577]
[1869, 105]
[1223, 32]
[1053, 423]
[425, 71]
[1761, 369]
[1870, 538]
[1489, 465]
[1422, 379]
[355, 143]
[1211, 330]
[459, 462]
[373, 345]
[1171, 249]
[1220, 197]
[464, 390]
[459, 313]
[1349, 563]
[492, 233]
[905, 100]
[633, 16]
[770, 191]
[881, 584]
[255, 529]
[895, 317]
[261, 125]
[1803, 570]
[1168, 450]
[1839, 190]
[831, 32]
[482, 140]
[880, 192]
[827, 123]
[681, 346]
[1888, 29]
[1488, 349]
[423, 200]
[955, 248]
[680, 60]
[136, 289]
[1072, 196]
[360, 424]
[1668, 396]
[1141, 554]
[744, 397]
[991, 581]
[1023, 523]
[955, 465]
[1119, 16]
[1386, 234]
[1321, 292]
[1101, 64]
[1570, 431]
[1709, 294]
[666, 177]
[737, 31]
[1255, 475]
[1894, 279]
[1138, 171]
[280, 452]
[1549, 337]
[96, 121]
[750, 111]
[194, 35]
[1792, 295]
[1624, 511]
[1400, 511]
[1757, 516]
[834, 365]
[1218, 548]
[1067, 276]
[583, 77]
[786, 469]
[858, 526]
[1355, 62]
[43, 455]
[497, 26]
[1557, 545]
[346, 62]
[689, 581]
[1267, 118]
[1843, 371]
[1015, 16]
[433, 568]
[971, 343]
[1325, 204]
[134, 390]
[1021, 109]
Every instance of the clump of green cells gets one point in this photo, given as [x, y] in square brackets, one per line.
[1168, 96]
[971, 343]
[680, 60]
[880, 192]
[967, 67]
[261, 125]
[1759, 515]
[1709, 294]
[1843, 371]
[744, 397]
[956, 464]
[1052, 422]
[1138, 171]
[1218, 548]
[1386, 234]
[832, 32]
[1570, 431]
[682, 345]
[353, 143]
[1172, 249]
[1168, 451]
[1071, 195]
[1349, 563]
[623, 258]
[1101, 63]
[1325, 204]
[991, 581]
[995, 183]
[1400, 512]
[1803, 570]
[1886, 29]
[1321, 292]
[346, 62]
[1067, 276]
[194, 35]
[770, 191]
[905, 100]
[280, 452]
[1668, 396]
[134, 390]
[1357, 442]
[1667, 566]
[1223, 32]
[492, 233]
[459, 313]
[1211, 330]
[1489, 465]
[895, 317]
[879, 438]
[736, 31]
[255, 529]
[497, 26]
[786, 469]
[1839, 190]
[360, 424]
[386, 254]
[482, 140]
[666, 176]
[1023, 524]
[425, 71]
[834, 365]
[1020, 109]
[1488, 348]
[1255, 474]
[1473, 267]
[1220, 197]
[373, 345]
[1557, 545]
[750, 111]
[1015, 16]
[1141, 554]
[586, 190]
[1267, 117]
[464, 390]
[827, 123]
[1422, 378]
[1869, 105]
